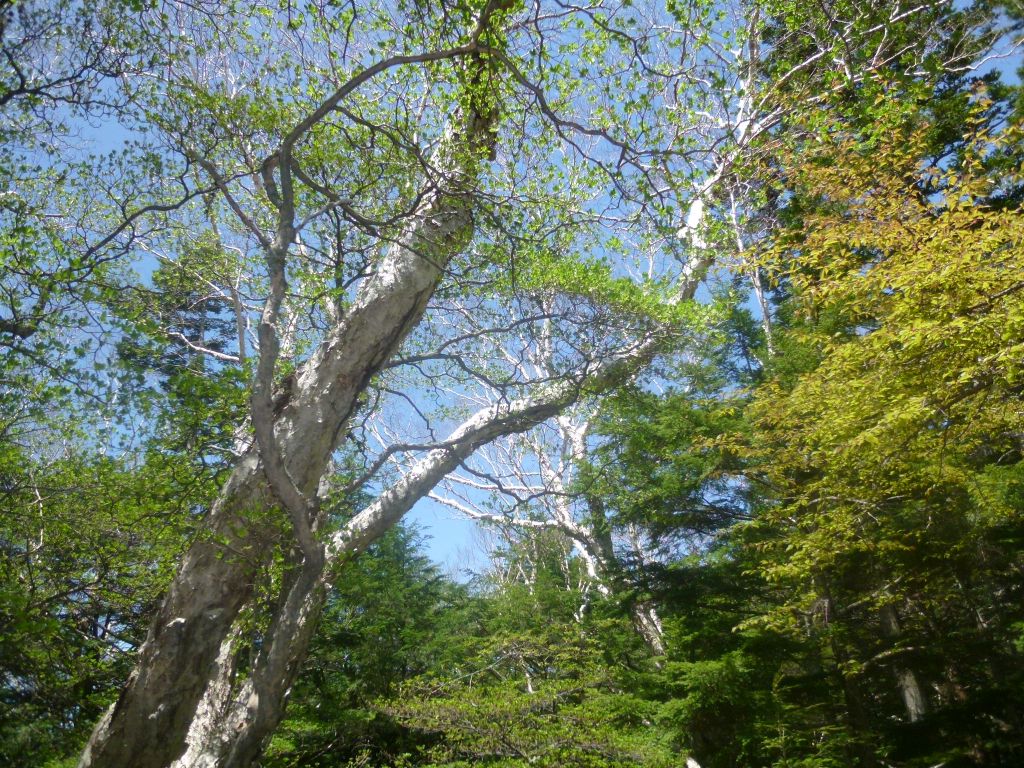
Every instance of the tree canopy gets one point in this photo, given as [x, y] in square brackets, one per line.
[709, 314]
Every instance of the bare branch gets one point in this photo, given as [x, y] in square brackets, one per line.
[222, 356]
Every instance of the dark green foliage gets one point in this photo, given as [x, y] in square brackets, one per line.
[86, 547]
[663, 467]
[391, 616]
[539, 683]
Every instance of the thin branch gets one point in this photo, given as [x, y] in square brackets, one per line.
[221, 185]
[222, 356]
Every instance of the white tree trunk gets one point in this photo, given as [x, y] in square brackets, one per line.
[911, 691]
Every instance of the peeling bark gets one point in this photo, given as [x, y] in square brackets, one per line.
[146, 725]
[234, 719]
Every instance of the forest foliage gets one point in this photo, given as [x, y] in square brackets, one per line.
[774, 521]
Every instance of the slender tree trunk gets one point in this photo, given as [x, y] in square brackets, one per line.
[857, 717]
[647, 623]
[643, 613]
[862, 748]
[914, 700]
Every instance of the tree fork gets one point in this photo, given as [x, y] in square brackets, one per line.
[151, 725]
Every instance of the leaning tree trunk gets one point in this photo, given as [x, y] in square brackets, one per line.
[146, 725]
[234, 717]
[189, 642]
[233, 720]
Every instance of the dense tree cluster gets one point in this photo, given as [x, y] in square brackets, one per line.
[709, 313]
